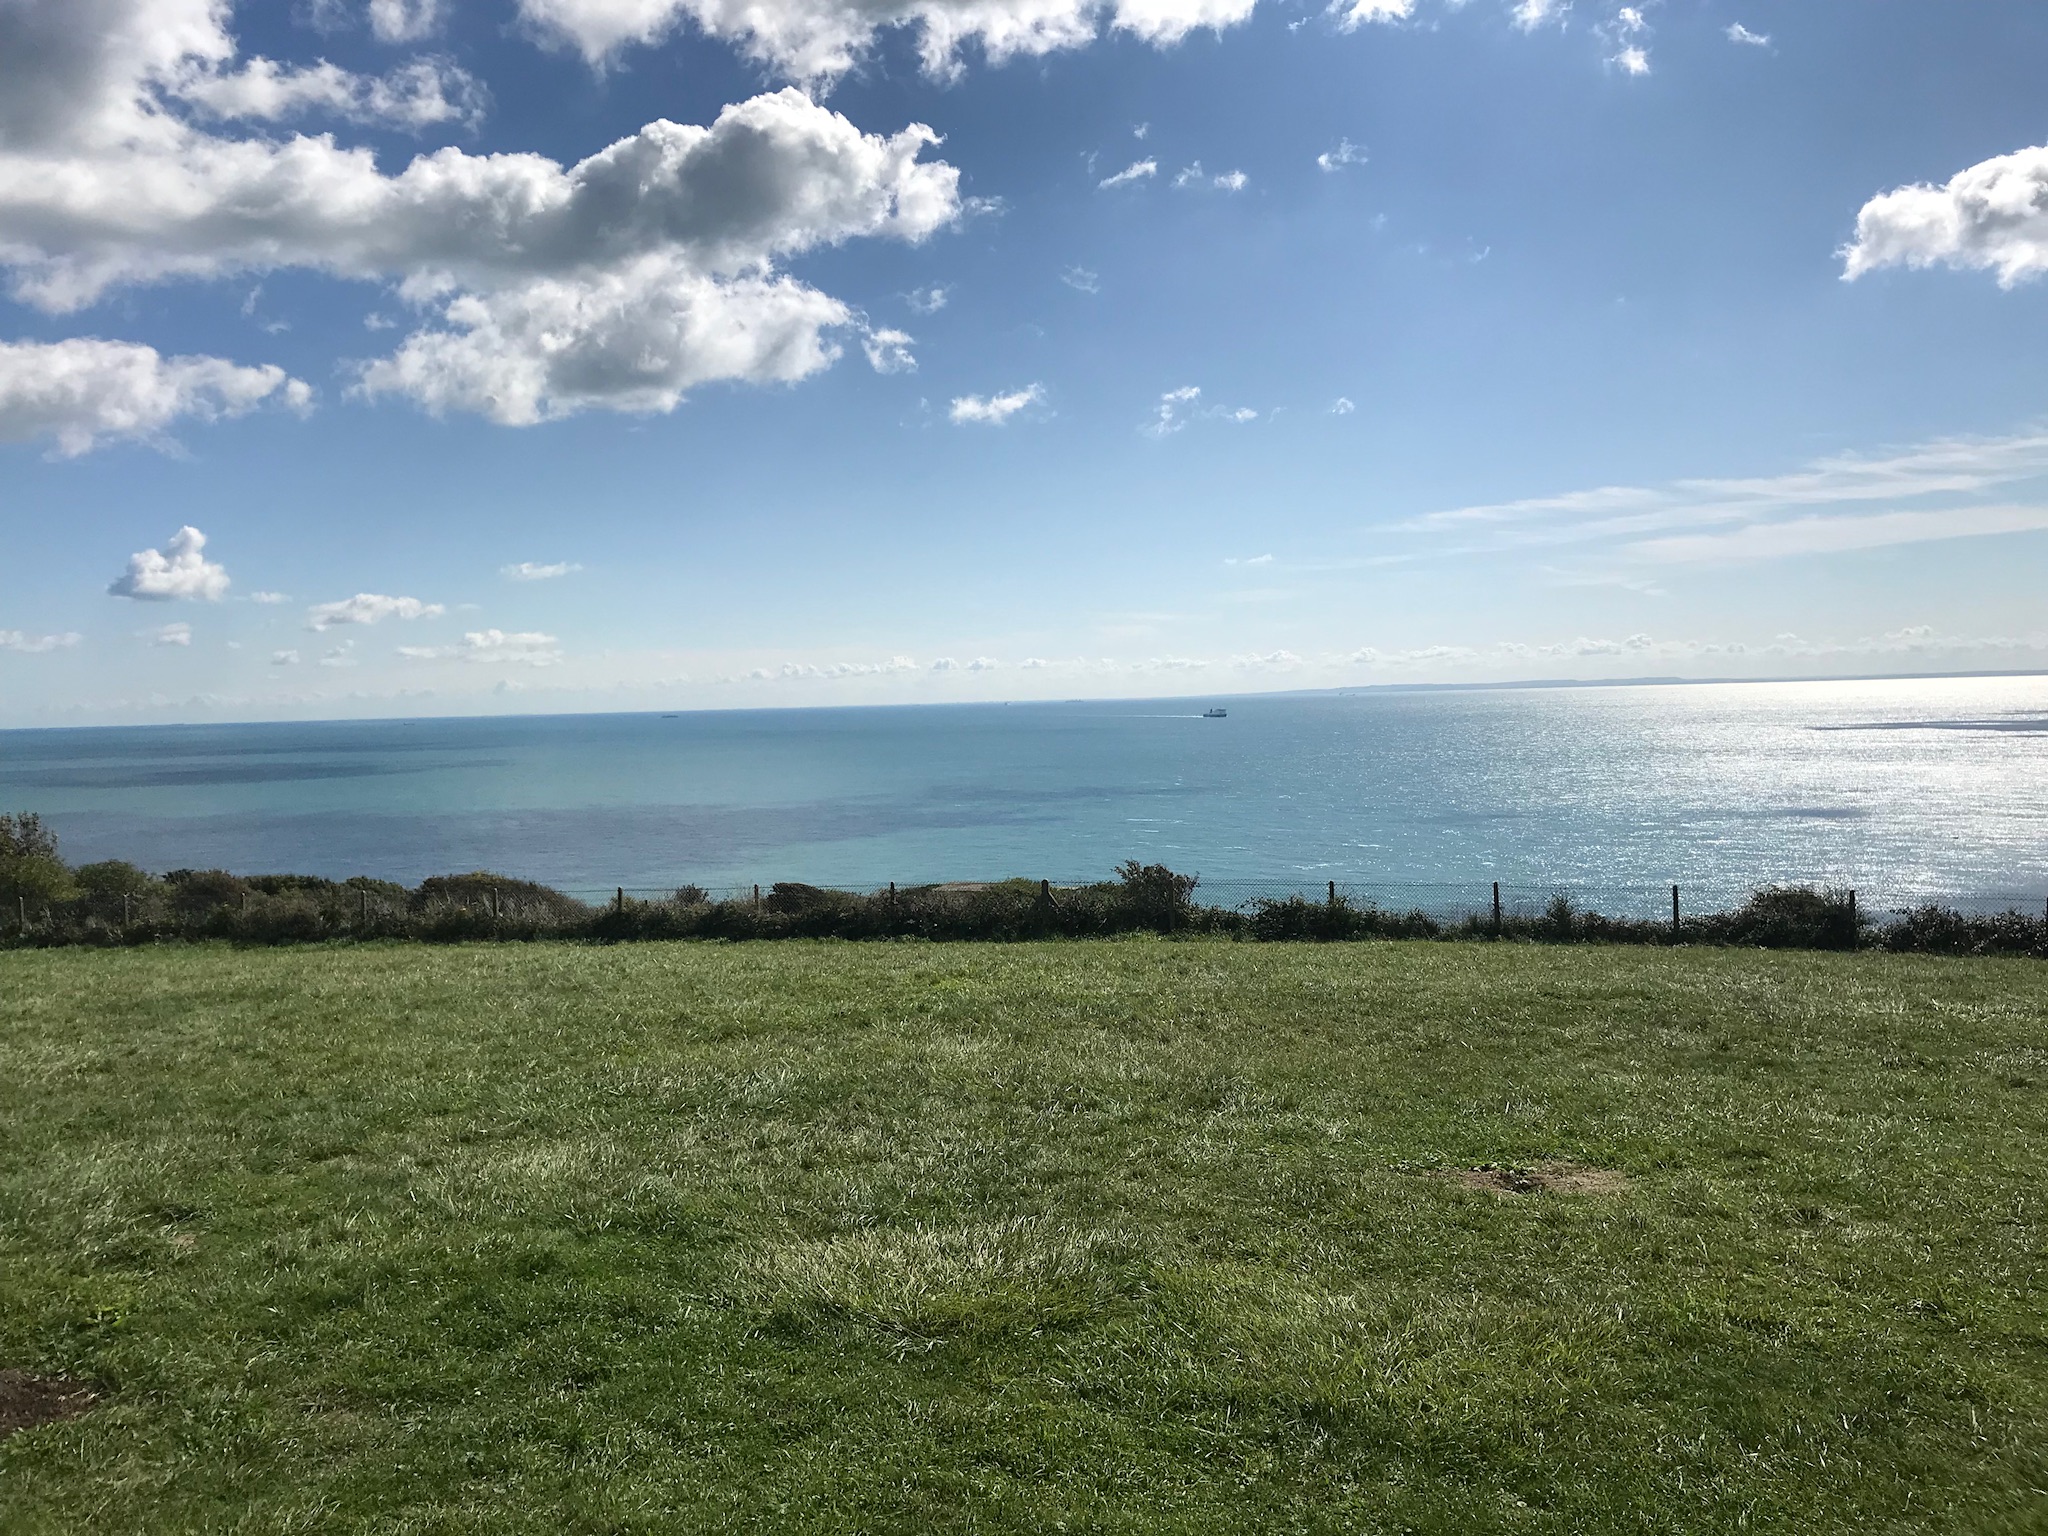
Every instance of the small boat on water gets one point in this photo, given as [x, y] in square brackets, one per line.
[1215, 714]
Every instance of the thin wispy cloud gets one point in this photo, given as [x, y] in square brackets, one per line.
[369, 608]
[1138, 170]
[1346, 153]
[1821, 508]
[1738, 33]
[1081, 280]
[528, 570]
[993, 410]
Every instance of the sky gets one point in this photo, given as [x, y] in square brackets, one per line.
[429, 357]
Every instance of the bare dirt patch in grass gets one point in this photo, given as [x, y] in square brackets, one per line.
[1541, 1179]
[26, 1401]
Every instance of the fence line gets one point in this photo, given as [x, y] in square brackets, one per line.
[1445, 901]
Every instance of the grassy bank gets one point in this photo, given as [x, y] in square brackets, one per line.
[1132, 1236]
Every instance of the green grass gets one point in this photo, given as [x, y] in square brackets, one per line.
[1131, 1236]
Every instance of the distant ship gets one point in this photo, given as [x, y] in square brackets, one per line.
[1215, 714]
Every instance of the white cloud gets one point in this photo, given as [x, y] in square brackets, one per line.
[1738, 33]
[1140, 130]
[1822, 508]
[1033, 663]
[418, 95]
[89, 74]
[984, 664]
[171, 634]
[928, 301]
[340, 655]
[798, 671]
[81, 392]
[1081, 280]
[1834, 535]
[1346, 153]
[1991, 217]
[369, 608]
[945, 664]
[1253, 560]
[994, 410]
[1352, 14]
[269, 599]
[531, 649]
[1342, 406]
[1531, 14]
[184, 573]
[1624, 34]
[1195, 176]
[619, 281]
[404, 21]
[284, 658]
[34, 645]
[1171, 414]
[527, 570]
[819, 40]
[889, 351]
[1138, 170]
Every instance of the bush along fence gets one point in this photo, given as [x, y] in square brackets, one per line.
[45, 903]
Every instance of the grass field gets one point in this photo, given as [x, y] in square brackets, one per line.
[1131, 1236]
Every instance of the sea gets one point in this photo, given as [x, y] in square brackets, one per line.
[1907, 789]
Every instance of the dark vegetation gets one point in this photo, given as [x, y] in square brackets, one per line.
[45, 904]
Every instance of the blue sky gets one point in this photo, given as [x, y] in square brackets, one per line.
[1439, 342]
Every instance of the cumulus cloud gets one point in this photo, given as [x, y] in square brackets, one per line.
[527, 570]
[284, 658]
[98, 73]
[185, 572]
[1531, 14]
[799, 671]
[1138, 170]
[819, 40]
[889, 351]
[1342, 406]
[34, 645]
[994, 410]
[1992, 217]
[369, 608]
[82, 392]
[530, 649]
[621, 281]
[171, 634]
[1738, 33]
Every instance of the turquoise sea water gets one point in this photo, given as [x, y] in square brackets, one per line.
[1904, 788]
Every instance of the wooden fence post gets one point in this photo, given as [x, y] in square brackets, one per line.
[1674, 914]
[619, 901]
[757, 895]
[1852, 917]
[1496, 909]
